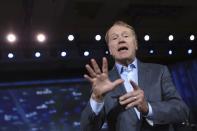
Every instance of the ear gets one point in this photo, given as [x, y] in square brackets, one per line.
[136, 42]
[136, 45]
[110, 52]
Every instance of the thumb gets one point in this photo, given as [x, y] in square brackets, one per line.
[117, 82]
[135, 86]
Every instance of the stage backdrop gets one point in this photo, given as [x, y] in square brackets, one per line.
[52, 105]
[184, 75]
[56, 105]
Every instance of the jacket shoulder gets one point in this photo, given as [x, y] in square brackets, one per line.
[153, 65]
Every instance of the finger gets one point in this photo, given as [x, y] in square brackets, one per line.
[135, 93]
[129, 94]
[90, 71]
[128, 100]
[125, 96]
[117, 82]
[95, 66]
[133, 104]
[134, 85]
[105, 65]
[88, 78]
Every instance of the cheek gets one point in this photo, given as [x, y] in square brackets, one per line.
[133, 45]
[112, 48]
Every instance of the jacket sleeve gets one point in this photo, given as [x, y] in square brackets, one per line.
[171, 109]
[90, 121]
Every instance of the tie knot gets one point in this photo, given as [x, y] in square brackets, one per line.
[127, 69]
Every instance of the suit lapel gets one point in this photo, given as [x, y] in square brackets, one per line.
[114, 75]
[142, 82]
[120, 90]
[144, 78]
[142, 75]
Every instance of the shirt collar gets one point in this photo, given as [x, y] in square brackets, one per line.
[119, 66]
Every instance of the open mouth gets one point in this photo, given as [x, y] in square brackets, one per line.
[122, 49]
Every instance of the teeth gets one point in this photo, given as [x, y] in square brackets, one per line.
[122, 48]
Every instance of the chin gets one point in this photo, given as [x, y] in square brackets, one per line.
[124, 60]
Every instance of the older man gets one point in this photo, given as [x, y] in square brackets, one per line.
[133, 96]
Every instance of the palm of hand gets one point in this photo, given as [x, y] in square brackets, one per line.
[99, 79]
[101, 84]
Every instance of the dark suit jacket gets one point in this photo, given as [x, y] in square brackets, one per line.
[160, 92]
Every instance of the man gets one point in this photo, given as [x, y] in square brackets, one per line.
[134, 95]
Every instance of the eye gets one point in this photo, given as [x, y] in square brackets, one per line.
[125, 34]
[114, 38]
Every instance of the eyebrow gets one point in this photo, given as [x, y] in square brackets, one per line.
[124, 32]
[113, 34]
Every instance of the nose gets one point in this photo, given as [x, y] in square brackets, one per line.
[121, 40]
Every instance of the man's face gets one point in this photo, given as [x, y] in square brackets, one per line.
[122, 44]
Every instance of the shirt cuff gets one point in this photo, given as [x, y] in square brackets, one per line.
[150, 115]
[96, 106]
[150, 112]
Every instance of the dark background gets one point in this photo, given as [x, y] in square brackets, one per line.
[84, 19]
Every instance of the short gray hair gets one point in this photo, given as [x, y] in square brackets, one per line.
[121, 23]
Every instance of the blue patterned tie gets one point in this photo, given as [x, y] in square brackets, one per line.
[127, 69]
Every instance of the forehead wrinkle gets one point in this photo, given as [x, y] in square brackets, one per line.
[124, 32]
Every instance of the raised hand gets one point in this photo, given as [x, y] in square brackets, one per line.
[99, 79]
[135, 98]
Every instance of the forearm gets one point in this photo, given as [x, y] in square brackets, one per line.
[90, 121]
[168, 112]
[171, 108]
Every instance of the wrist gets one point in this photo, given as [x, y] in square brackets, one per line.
[97, 98]
[146, 111]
